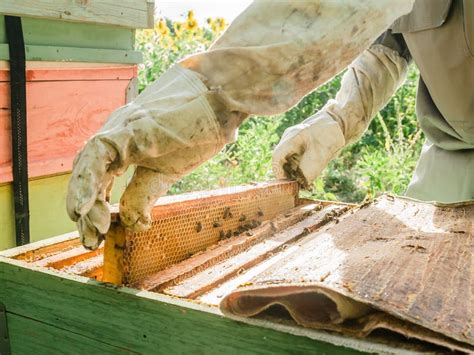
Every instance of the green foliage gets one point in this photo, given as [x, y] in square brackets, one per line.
[381, 161]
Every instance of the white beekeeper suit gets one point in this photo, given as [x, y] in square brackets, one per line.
[439, 36]
[271, 56]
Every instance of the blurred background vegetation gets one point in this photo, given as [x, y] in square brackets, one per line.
[383, 160]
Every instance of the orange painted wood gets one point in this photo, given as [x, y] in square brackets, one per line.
[65, 107]
[121, 72]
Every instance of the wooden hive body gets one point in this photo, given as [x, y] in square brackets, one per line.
[161, 310]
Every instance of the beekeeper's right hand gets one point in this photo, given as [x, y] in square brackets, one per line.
[370, 81]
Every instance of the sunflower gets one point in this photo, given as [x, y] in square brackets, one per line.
[217, 25]
[191, 23]
[162, 28]
[221, 23]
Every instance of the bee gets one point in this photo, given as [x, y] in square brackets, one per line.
[227, 213]
[198, 227]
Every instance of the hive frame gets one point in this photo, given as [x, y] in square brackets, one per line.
[189, 223]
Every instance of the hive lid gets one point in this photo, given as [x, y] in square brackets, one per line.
[396, 264]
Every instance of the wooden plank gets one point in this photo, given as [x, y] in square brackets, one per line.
[228, 249]
[5, 65]
[113, 254]
[66, 41]
[277, 242]
[223, 250]
[69, 257]
[28, 336]
[45, 222]
[126, 13]
[72, 54]
[91, 267]
[143, 321]
[74, 73]
[38, 249]
[59, 123]
[41, 32]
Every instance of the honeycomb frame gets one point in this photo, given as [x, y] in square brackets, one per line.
[186, 224]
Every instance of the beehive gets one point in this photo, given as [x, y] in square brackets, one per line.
[80, 66]
[313, 245]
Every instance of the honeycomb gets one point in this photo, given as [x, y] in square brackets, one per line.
[186, 224]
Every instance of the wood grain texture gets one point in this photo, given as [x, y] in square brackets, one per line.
[133, 321]
[41, 32]
[29, 336]
[71, 54]
[63, 112]
[224, 250]
[272, 243]
[409, 259]
[45, 222]
[126, 13]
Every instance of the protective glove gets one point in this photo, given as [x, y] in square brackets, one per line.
[369, 83]
[167, 131]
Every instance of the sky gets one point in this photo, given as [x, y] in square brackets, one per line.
[174, 9]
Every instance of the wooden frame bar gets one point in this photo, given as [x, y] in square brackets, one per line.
[71, 54]
[189, 223]
[126, 13]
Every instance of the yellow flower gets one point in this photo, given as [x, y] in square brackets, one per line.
[221, 23]
[217, 25]
[191, 22]
[178, 28]
[162, 27]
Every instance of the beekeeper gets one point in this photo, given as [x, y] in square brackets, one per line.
[439, 36]
[271, 56]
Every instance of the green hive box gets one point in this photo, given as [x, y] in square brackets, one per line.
[80, 49]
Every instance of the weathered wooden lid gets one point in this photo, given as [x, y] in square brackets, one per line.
[126, 13]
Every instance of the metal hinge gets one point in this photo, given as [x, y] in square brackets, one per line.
[4, 338]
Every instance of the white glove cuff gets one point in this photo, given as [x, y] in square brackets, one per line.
[172, 114]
